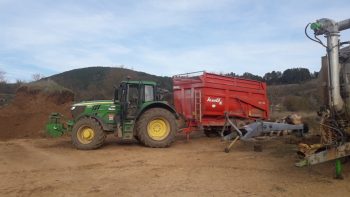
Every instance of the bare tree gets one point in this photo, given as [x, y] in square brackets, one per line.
[20, 81]
[2, 76]
[37, 76]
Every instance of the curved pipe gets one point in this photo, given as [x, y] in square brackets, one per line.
[343, 25]
[331, 29]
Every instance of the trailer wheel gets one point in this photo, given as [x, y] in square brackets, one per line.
[87, 134]
[157, 128]
[211, 133]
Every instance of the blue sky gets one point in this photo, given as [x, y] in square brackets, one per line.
[161, 37]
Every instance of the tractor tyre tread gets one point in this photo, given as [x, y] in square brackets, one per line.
[98, 140]
[148, 116]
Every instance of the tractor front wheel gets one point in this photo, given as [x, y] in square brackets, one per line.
[87, 134]
[157, 128]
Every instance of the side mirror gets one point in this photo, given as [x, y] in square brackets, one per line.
[116, 95]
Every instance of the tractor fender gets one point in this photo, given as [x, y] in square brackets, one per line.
[105, 127]
[158, 105]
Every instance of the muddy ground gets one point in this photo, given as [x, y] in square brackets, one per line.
[52, 167]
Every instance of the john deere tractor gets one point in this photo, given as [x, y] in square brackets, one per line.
[136, 112]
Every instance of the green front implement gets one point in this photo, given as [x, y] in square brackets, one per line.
[55, 127]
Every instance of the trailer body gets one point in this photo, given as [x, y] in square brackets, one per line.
[203, 100]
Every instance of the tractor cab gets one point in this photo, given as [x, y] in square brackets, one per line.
[133, 95]
[135, 98]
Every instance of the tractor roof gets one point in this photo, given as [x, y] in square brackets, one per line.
[141, 82]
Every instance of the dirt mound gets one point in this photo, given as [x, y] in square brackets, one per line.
[27, 114]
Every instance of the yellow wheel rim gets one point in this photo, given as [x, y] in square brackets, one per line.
[85, 134]
[158, 129]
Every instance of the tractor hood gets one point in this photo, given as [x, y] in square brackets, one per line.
[90, 108]
[92, 103]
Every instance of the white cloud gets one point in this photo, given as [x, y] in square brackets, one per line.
[238, 36]
[15, 73]
[193, 5]
[257, 58]
[60, 60]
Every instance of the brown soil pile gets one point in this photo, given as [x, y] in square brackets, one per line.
[27, 114]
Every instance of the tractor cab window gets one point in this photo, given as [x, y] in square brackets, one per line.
[133, 100]
[133, 93]
[149, 93]
[116, 94]
[123, 91]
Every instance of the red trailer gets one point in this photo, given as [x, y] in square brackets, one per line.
[202, 99]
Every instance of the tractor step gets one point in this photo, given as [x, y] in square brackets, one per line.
[128, 130]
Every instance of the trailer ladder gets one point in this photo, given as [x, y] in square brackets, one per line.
[198, 105]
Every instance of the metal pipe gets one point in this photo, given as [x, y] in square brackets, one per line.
[333, 57]
[343, 25]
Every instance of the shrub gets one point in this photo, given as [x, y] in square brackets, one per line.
[296, 103]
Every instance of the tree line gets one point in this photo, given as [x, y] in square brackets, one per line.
[289, 76]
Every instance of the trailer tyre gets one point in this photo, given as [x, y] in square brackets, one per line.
[211, 133]
[157, 128]
[87, 134]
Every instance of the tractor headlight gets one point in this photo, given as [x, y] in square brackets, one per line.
[76, 111]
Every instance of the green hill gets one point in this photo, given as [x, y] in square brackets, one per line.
[97, 82]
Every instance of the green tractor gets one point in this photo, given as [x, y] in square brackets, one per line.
[136, 112]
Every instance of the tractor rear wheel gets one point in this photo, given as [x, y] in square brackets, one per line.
[87, 134]
[157, 128]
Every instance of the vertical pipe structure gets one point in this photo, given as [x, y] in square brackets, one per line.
[334, 71]
[331, 29]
